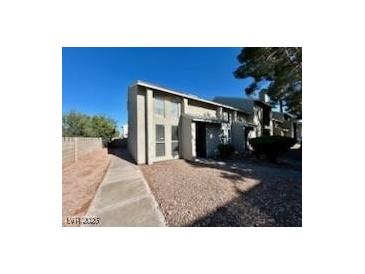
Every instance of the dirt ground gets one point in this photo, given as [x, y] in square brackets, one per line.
[80, 181]
[233, 193]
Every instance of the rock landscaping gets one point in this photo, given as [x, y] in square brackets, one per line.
[233, 193]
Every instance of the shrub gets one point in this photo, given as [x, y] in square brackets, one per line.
[271, 146]
[117, 143]
[225, 150]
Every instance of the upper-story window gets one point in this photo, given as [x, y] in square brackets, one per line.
[159, 106]
[175, 109]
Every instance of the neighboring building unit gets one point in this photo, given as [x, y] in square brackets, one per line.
[259, 113]
[266, 121]
[124, 132]
[165, 124]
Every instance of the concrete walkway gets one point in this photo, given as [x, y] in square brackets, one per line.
[124, 198]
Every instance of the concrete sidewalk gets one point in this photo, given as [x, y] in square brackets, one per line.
[124, 198]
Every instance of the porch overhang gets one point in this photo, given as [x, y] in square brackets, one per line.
[206, 119]
[209, 120]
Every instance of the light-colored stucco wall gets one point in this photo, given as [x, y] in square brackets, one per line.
[141, 126]
[201, 109]
[136, 124]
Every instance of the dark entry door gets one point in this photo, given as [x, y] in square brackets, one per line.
[201, 148]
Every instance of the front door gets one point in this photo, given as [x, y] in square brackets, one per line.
[201, 148]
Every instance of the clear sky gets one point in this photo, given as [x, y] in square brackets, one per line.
[95, 80]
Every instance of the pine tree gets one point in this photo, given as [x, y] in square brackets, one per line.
[276, 70]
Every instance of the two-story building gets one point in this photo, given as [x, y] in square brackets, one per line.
[166, 124]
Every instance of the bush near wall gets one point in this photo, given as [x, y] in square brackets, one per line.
[271, 146]
[225, 150]
[76, 124]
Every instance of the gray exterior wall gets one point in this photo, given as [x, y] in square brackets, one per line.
[238, 136]
[132, 122]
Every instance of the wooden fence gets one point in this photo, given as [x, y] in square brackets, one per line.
[74, 147]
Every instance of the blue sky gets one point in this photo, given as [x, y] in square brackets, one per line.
[95, 80]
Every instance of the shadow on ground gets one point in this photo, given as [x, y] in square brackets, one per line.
[276, 200]
[122, 153]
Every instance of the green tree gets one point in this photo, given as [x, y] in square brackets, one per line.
[75, 124]
[278, 71]
[103, 127]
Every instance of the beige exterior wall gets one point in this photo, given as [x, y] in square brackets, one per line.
[136, 124]
[141, 126]
[201, 109]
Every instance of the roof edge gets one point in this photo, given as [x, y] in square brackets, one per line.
[182, 94]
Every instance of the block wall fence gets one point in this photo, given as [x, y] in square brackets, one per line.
[74, 147]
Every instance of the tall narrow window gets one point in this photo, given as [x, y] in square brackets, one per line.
[175, 140]
[159, 106]
[175, 110]
[160, 140]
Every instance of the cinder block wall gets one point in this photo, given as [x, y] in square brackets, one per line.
[74, 147]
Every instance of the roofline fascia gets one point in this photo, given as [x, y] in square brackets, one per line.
[174, 92]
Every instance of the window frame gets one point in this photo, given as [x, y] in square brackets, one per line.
[172, 103]
[175, 141]
[160, 141]
[155, 100]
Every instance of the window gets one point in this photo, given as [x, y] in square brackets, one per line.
[159, 106]
[175, 140]
[175, 111]
[160, 140]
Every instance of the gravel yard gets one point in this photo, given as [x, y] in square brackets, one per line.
[80, 181]
[235, 193]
